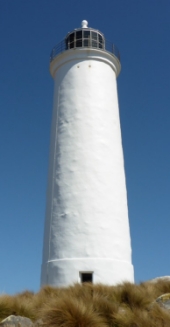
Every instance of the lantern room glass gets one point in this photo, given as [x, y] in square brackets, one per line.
[85, 38]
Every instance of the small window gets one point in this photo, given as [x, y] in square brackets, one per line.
[78, 35]
[100, 38]
[79, 43]
[94, 44]
[94, 36]
[86, 277]
[86, 43]
[70, 41]
[71, 37]
[71, 45]
[86, 34]
[100, 41]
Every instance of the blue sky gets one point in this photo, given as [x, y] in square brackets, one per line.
[28, 32]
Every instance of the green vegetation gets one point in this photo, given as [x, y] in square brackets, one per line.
[89, 305]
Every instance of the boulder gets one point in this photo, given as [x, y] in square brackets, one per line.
[16, 321]
[164, 301]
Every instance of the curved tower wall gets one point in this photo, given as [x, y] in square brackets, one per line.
[87, 227]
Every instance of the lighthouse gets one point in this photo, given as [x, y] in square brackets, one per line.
[86, 234]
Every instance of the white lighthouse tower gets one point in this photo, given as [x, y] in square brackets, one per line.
[86, 234]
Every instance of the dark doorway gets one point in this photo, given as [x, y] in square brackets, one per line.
[86, 277]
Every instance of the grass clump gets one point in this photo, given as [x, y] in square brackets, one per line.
[88, 305]
[19, 305]
[71, 312]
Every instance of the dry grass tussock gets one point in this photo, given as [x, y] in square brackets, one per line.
[88, 305]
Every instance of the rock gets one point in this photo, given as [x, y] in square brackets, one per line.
[164, 278]
[164, 301]
[16, 321]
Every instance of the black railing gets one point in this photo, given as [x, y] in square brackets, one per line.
[62, 46]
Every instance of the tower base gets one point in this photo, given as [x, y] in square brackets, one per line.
[64, 272]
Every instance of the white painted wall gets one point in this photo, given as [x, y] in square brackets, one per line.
[87, 227]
